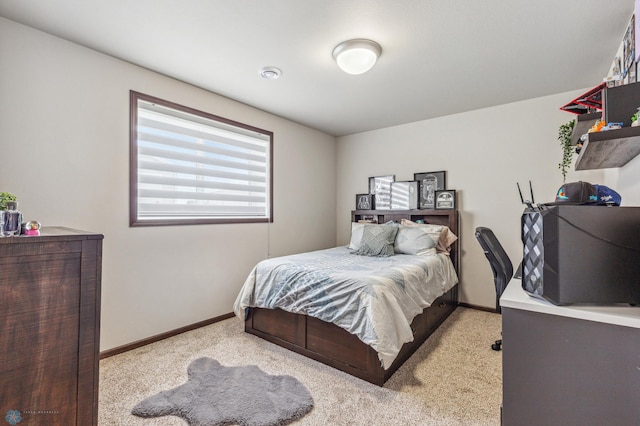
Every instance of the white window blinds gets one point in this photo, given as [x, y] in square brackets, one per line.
[194, 168]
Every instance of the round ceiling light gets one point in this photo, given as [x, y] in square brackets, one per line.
[357, 56]
[270, 73]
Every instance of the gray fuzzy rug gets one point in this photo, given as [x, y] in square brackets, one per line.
[216, 395]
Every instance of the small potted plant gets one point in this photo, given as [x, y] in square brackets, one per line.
[564, 136]
[4, 197]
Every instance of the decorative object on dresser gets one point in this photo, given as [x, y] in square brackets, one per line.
[219, 395]
[49, 326]
[380, 188]
[428, 184]
[12, 220]
[446, 199]
[5, 197]
[331, 344]
[404, 195]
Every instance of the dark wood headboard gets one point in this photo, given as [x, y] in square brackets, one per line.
[436, 217]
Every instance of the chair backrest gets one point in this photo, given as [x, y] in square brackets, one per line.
[500, 263]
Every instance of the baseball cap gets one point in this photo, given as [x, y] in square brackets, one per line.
[576, 193]
[607, 196]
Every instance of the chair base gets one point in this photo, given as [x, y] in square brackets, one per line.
[497, 345]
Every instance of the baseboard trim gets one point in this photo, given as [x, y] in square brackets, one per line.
[477, 307]
[162, 336]
[175, 332]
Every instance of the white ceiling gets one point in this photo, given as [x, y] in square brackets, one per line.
[439, 57]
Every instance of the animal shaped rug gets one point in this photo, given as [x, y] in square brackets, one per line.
[216, 395]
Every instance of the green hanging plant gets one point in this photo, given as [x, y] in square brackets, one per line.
[564, 136]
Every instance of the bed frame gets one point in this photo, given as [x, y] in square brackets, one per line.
[336, 347]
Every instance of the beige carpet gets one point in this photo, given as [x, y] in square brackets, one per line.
[453, 379]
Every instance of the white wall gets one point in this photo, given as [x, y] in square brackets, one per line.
[64, 135]
[484, 153]
[626, 181]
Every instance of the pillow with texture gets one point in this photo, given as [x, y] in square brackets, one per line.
[441, 234]
[414, 240]
[377, 240]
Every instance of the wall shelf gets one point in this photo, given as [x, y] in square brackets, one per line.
[611, 148]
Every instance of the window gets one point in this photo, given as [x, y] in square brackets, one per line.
[190, 167]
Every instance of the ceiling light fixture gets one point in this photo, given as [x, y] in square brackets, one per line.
[270, 73]
[356, 56]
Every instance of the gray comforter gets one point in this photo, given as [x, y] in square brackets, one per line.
[375, 298]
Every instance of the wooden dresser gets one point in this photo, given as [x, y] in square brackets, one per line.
[50, 327]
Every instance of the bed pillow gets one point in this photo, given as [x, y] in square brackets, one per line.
[356, 235]
[441, 234]
[377, 240]
[414, 240]
[356, 232]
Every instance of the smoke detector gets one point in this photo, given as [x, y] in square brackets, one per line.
[270, 73]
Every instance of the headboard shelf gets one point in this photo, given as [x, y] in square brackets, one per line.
[437, 217]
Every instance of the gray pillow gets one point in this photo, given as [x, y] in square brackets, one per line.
[377, 240]
[414, 240]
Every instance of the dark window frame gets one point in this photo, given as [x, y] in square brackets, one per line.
[134, 221]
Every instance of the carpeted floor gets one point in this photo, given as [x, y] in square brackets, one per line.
[453, 379]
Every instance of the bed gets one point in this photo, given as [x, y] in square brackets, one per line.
[364, 315]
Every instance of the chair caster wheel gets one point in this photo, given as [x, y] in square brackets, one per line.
[497, 346]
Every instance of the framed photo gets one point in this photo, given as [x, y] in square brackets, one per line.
[632, 73]
[446, 200]
[629, 47]
[364, 202]
[380, 188]
[404, 195]
[428, 184]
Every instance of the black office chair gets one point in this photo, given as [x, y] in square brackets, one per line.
[500, 265]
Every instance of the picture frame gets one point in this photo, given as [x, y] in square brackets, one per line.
[445, 199]
[632, 73]
[629, 47]
[380, 188]
[364, 202]
[428, 184]
[404, 195]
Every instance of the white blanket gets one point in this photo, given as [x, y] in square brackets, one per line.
[375, 298]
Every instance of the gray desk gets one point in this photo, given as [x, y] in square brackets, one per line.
[569, 365]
